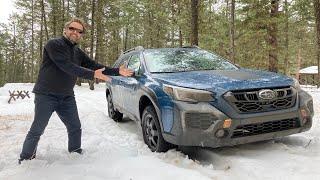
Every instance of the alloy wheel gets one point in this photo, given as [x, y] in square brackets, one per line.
[152, 133]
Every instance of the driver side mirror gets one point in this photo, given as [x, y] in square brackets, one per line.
[136, 72]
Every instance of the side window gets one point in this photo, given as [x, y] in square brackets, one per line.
[123, 60]
[134, 63]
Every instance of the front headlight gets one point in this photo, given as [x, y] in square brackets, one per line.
[296, 84]
[189, 95]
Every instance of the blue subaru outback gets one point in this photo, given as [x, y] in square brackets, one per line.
[191, 97]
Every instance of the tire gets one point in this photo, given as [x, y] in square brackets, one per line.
[151, 130]
[113, 113]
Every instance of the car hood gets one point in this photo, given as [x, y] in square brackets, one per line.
[220, 81]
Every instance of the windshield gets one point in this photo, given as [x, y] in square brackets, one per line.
[184, 59]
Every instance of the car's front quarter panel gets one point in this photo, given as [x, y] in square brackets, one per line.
[162, 103]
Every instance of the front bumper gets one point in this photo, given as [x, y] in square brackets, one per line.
[190, 131]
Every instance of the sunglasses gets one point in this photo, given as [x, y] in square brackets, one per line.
[75, 30]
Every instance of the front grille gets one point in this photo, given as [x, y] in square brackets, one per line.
[266, 127]
[249, 102]
[199, 120]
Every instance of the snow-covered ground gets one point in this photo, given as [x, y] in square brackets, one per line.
[116, 150]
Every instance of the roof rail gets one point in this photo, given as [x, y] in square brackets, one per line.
[192, 46]
[133, 49]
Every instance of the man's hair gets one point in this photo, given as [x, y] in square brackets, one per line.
[78, 20]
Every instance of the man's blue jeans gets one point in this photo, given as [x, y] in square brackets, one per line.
[45, 105]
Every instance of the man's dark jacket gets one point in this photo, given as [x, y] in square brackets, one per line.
[62, 63]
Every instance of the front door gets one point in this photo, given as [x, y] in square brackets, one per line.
[131, 85]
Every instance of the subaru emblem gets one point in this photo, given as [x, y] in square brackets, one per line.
[267, 94]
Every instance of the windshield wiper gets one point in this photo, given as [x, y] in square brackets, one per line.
[163, 72]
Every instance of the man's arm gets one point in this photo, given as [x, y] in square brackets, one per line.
[57, 53]
[87, 62]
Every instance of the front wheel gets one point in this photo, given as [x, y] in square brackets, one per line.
[113, 113]
[152, 131]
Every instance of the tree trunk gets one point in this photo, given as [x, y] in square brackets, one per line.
[79, 81]
[32, 42]
[179, 29]
[286, 56]
[232, 46]
[77, 8]
[5, 78]
[24, 78]
[272, 33]
[298, 62]
[68, 7]
[180, 37]
[13, 75]
[92, 27]
[41, 35]
[173, 22]
[91, 83]
[44, 20]
[317, 15]
[126, 34]
[63, 13]
[54, 18]
[150, 20]
[100, 32]
[194, 22]
[158, 44]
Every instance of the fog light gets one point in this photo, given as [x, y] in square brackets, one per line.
[303, 113]
[227, 123]
[304, 116]
[221, 133]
